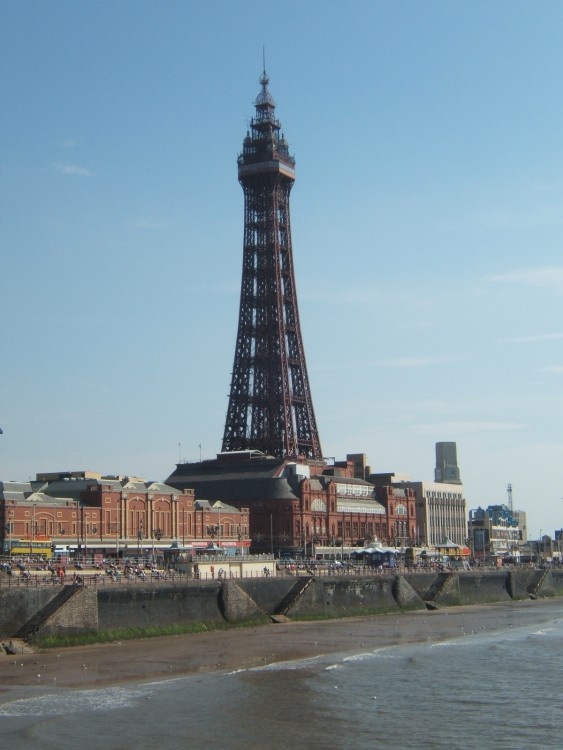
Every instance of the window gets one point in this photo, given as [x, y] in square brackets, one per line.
[318, 505]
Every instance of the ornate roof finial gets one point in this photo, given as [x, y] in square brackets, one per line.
[264, 97]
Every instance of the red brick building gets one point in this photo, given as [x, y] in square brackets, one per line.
[85, 513]
[400, 504]
[298, 506]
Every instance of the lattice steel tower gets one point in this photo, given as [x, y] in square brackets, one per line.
[270, 406]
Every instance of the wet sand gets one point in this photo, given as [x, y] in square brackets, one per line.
[154, 658]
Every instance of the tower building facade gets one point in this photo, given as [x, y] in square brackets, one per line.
[446, 470]
[270, 407]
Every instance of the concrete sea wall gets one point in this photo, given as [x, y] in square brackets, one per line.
[158, 605]
[73, 609]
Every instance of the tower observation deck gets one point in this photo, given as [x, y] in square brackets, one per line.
[270, 407]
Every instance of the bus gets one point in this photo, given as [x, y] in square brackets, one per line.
[29, 547]
[331, 554]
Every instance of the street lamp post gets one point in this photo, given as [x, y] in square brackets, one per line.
[212, 530]
[77, 531]
[117, 529]
[32, 535]
[10, 516]
[271, 535]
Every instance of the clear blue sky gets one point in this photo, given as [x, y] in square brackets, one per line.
[427, 230]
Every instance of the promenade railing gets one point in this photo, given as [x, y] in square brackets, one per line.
[116, 577]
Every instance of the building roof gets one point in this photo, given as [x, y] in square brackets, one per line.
[68, 488]
[39, 499]
[17, 491]
[243, 480]
[216, 507]
[161, 487]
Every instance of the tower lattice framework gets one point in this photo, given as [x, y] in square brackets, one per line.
[270, 407]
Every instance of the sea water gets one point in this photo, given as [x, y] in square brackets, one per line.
[480, 689]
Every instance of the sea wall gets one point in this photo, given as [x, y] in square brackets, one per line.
[18, 606]
[35, 610]
[267, 592]
[158, 605]
[556, 581]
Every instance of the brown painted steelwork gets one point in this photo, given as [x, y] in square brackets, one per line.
[270, 407]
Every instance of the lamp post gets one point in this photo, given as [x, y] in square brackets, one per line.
[32, 535]
[157, 534]
[117, 527]
[10, 516]
[212, 530]
[315, 542]
[77, 531]
[271, 535]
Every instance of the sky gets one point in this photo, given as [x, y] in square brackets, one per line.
[427, 230]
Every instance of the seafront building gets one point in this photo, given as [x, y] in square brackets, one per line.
[85, 514]
[296, 507]
[441, 509]
[494, 533]
[521, 519]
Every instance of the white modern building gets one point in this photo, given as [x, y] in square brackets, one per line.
[441, 509]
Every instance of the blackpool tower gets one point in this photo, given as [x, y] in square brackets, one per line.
[270, 407]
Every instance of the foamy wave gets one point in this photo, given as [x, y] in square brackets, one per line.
[285, 665]
[359, 657]
[57, 704]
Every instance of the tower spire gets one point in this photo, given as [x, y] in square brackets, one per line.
[270, 406]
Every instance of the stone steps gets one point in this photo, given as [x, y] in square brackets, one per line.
[14, 646]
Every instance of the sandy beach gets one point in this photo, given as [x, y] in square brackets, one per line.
[153, 658]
